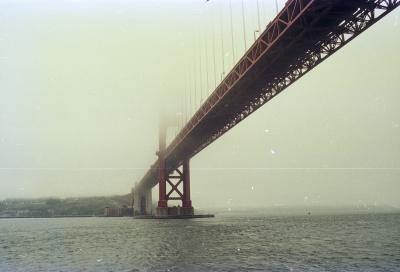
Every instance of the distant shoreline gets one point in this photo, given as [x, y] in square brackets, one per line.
[61, 208]
[56, 216]
[232, 213]
[61, 216]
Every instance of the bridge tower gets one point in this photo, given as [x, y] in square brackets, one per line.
[178, 180]
[142, 201]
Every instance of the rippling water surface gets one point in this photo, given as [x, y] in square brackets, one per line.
[369, 242]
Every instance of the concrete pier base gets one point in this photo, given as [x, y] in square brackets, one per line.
[161, 212]
[174, 216]
[174, 213]
[187, 211]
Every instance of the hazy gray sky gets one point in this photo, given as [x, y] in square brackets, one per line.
[81, 84]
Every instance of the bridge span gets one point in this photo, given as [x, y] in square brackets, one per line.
[302, 35]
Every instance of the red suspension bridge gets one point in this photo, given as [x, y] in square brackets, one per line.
[302, 35]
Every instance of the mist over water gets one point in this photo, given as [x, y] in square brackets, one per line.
[82, 84]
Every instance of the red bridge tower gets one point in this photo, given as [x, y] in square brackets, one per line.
[178, 179]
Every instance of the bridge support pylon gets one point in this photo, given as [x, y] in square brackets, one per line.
[142, 202]
[178, 183]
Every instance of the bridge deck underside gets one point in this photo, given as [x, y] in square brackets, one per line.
[303, 34]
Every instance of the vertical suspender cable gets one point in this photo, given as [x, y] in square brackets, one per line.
[244, 27]
[276, 6]
[201, 72]
[233, 45]
[213, 48]
[213, 43]
[185, 96]
[195, 87]
[258, 16]
[206, 64]
[188, 96]
[190, 93]
[222, 40]
[183, 106]
[188, 90]
[264, 13]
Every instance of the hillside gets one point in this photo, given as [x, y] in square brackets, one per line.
[50, 207]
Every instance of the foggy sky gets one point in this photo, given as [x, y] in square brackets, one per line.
[82, 83]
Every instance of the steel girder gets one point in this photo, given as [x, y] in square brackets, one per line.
[303, 34]
[175, 179]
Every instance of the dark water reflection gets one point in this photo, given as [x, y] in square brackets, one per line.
[369, 242]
